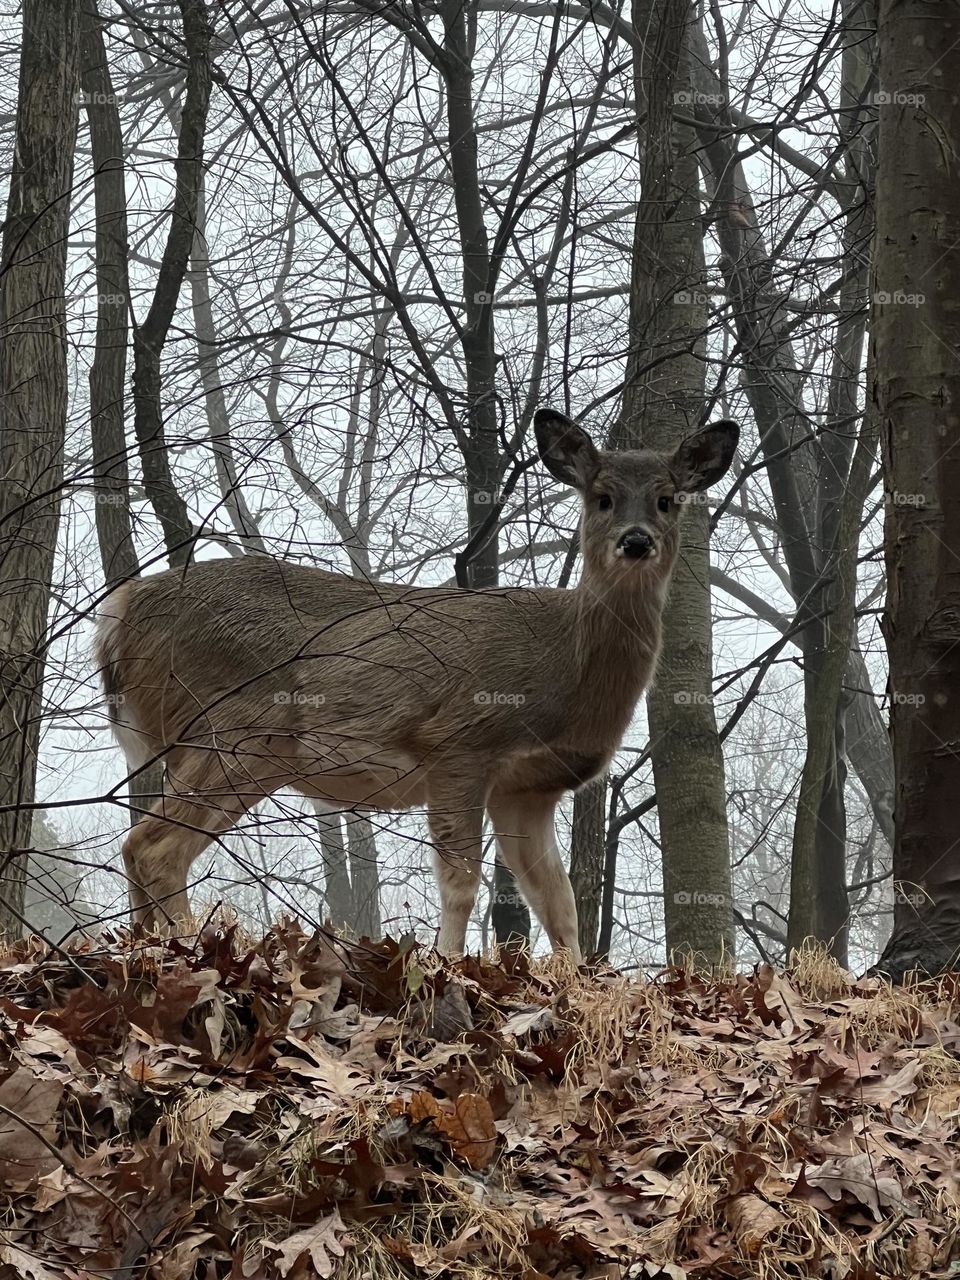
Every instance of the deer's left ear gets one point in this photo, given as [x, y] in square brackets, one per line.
[565, 449]
[704, 458]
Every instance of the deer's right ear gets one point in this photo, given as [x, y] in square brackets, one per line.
[565, 449]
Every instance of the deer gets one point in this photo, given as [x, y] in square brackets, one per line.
[250, 674]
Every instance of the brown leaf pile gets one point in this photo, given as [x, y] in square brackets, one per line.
[203, 1108]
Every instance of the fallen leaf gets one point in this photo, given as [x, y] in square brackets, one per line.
[33, 1104]
[320, 1243]
[471, 1129]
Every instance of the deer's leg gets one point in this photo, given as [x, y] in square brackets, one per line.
[455, 815]
[205, 794]
[524, 826]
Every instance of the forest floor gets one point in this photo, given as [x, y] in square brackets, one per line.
[297, 1106]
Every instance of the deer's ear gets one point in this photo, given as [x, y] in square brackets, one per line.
[704, 458]
[565, 449]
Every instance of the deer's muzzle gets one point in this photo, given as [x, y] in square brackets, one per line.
[636, 544]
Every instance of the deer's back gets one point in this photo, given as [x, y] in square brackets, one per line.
[262, 644]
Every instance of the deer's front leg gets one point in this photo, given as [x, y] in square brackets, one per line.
[455, 816]
[524, 825]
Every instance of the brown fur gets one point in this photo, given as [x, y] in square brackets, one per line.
[252, 674]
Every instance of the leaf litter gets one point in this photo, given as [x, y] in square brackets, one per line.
[221, 1108]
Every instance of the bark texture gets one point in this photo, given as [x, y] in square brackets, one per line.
[663, 401]
[149, 338]
[915, 331]
[586, 859]
[478, 566]
[33, 404]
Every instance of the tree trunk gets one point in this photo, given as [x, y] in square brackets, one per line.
[337, 889]
[33, 398]
[218, 421]
[108, 374]
[663, 401]
[915, 332]
[364, 877]
[819, 906]
[33, 394]
[773, 384]
[149, 338]
[482, 446]
[586, 859]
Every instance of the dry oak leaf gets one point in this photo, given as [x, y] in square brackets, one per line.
[471, 1129]
[319, 1243]
[751, 1221]
[422, 1106]
[27, 1265]
[23, 1153]
[858, 1177]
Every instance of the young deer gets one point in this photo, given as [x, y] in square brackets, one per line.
[253, 674]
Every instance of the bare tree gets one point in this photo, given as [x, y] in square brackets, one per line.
[33, 393]
[664, 399]
[915, 385]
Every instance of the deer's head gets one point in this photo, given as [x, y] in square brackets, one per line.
[632, 500]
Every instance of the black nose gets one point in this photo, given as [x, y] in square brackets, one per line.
[636, 544]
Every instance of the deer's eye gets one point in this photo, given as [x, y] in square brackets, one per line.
[664, 502]
[604, 502]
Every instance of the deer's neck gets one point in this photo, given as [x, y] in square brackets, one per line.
[618, 637]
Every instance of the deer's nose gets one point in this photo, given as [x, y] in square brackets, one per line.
[636, 544]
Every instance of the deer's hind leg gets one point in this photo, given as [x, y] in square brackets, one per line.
[524, 826]
[455, 815]
[206, 792]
